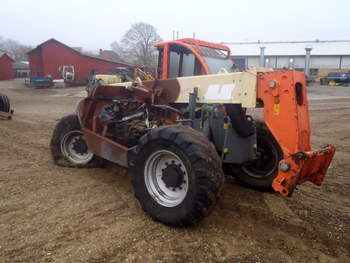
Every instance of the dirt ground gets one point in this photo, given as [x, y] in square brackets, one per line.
[55, 214]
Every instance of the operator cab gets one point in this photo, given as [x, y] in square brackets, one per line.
[192, 57]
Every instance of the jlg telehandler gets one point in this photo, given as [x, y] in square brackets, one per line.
[178, 132]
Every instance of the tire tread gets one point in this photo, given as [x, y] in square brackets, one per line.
[205, 162]
[66, 124]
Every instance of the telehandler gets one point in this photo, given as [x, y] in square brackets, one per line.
[178, 133]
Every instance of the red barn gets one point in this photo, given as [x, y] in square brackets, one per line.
[49, 57]
[6, 70]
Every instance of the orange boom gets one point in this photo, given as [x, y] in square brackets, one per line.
[286, 114]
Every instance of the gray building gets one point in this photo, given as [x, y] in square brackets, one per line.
[325, 56]
[21, 69]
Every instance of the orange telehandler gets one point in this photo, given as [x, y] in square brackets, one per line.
[176, 133]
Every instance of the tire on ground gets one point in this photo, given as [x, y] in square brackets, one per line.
[61, 156]
[259, 175]
[4, 103]
[202, 166]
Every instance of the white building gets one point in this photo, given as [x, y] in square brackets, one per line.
[326, 56]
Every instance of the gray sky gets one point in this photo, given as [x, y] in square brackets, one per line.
[95, 24]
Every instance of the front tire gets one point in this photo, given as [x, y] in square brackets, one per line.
[177, 175]
[68, 145]
[260, 174]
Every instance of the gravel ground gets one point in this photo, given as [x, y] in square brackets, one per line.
[56, 214]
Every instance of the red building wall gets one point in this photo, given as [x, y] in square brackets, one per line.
[6, 70]
[36, 63]
[48, 57]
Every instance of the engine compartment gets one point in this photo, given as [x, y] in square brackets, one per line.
[127, 120]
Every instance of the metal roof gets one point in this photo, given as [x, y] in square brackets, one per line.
[20, 65]
[108, 60]
[290, 48]
[110, 54]
[2, 53]
[82, 54]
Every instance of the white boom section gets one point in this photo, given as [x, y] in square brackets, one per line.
[224, 88]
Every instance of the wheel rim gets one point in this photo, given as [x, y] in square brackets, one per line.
[166, 178]
[267, 161]
[74, 147]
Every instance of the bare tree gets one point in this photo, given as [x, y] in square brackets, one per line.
[121, 52]
[136, 46]
[14, 49]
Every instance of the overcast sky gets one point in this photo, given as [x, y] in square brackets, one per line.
[95, 24]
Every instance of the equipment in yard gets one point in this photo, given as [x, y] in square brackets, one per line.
[117, 75]
[177, 133]
[5, 109]
[67, 73]
[336, 79]
[40, 82]
[122, 74]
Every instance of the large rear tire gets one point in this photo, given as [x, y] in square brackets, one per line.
[68, 145]
[177, 175]
[260, 174]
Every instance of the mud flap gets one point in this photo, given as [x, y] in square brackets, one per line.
[302, 167]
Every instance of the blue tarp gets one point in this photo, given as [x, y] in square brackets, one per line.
[40, 82]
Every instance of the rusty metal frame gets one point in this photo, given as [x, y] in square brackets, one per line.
[96, 133]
